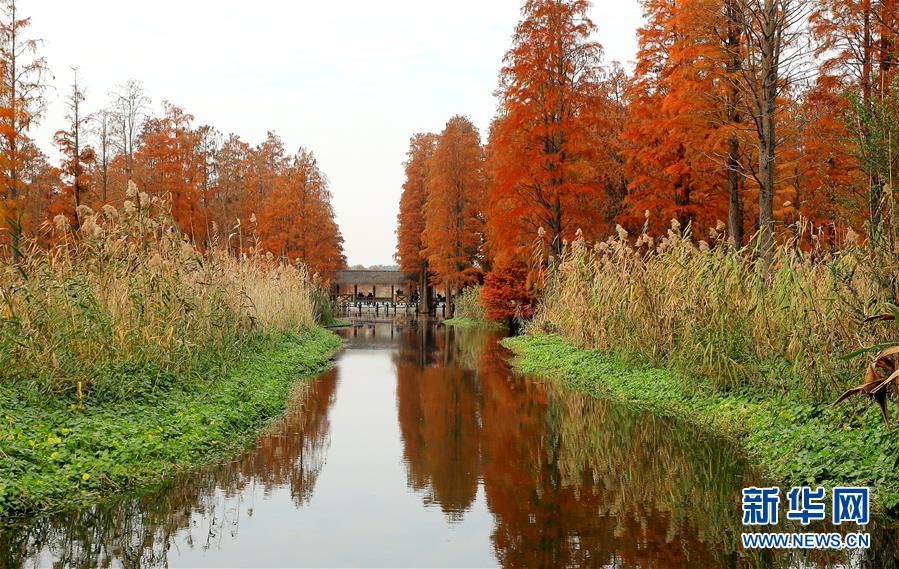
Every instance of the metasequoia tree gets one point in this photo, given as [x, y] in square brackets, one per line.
[542, 142]
[230, 166]
[454, 225]
[267, 162]
[284, 200]
[858, 42]
[21, 105]
[297, 218]
[731, 40]
[820, 179]
[77, 156]
[130, 103]
[774, 63]
[670, 164]
[209, 181]
[411, 217]
[719, 28]
[43, 189]
[171, 165]
[208, 143]
[609, 161]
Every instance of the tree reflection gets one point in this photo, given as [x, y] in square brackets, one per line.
[199, 508]
[438, 412]
[571, 480]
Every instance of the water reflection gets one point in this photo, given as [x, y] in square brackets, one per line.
[423, 448]
[198, 510]
[438, 412]
[572, 481]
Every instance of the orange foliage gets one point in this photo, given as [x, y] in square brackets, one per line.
[669, 151]
[250, 196]
[858, 41]
[411, 218]
[543, 148]
[505, 294]
[821, 179]
[217, 188]
[454, 225]
[25, 187]
[170, 163]
[296, 219]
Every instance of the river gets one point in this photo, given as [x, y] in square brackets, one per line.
[421, 447]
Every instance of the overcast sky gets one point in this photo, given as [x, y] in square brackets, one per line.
[351, 80]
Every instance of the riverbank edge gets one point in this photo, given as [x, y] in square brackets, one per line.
[464, 322]
[55, 455]
[792, 443]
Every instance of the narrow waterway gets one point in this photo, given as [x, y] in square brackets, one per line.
[422, 448]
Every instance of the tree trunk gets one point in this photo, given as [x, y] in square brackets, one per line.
[448, 300]
[769, 46]
[735, 200]
[767, 165]
[14, 142]
[555, 251]
[424, 290]
[732, 162]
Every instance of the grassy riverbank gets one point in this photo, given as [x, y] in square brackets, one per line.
[465, 322]
[55, 452]
[794, 442]
[128, 352]
[470, 312]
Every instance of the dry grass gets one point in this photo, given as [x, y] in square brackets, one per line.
[124, 302]
[468, 304]
[719, 313]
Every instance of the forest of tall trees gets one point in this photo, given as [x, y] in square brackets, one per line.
[765, 115]
[220, 188]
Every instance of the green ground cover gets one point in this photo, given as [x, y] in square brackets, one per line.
[793, 442]
[466, 322]
[57, 452]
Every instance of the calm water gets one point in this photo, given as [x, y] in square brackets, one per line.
[422, 448]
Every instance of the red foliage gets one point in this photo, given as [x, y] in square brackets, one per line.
[455, 196]
[673, 119]
[548, 166]
[506, 294]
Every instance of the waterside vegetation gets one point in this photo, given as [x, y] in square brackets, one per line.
[127, 353]
[756, 349]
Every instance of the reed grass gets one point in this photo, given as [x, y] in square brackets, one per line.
[123, 303]
[782, 326]
[469, 305]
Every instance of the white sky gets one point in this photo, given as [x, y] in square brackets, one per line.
[351, 80]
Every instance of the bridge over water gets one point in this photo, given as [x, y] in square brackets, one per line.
[382, 288]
